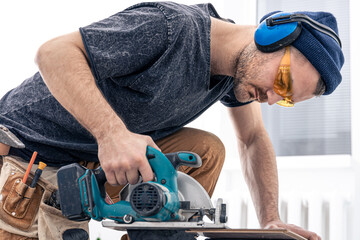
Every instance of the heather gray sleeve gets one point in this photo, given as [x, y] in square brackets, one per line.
[125, 43]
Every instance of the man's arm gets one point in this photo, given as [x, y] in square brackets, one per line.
[259, 167]
[257, 160]
[63, 66]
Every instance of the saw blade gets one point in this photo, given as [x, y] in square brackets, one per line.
[192, 191]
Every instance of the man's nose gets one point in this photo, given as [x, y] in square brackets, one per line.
[273, 97]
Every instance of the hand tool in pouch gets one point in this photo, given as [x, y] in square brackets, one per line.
[37, 174]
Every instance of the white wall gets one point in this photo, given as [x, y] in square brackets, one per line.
[25, 25]
[355, 111]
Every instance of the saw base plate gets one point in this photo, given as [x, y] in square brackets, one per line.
[161, 225]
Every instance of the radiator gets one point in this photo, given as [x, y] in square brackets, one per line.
[328, 216]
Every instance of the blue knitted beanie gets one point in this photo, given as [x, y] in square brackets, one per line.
[321, 50]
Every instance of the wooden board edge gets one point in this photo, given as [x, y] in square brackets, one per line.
[286, 232]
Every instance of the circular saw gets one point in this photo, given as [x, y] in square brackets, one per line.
[173, 200]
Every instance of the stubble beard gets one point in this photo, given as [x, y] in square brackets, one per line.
[247, 75]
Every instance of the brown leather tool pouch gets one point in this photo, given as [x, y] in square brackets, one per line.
[19, 203]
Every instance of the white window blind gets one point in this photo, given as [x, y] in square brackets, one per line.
[319, 126]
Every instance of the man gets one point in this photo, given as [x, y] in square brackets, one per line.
[107, 91]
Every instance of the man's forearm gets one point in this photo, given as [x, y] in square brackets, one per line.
[260, 171]
[69, 78]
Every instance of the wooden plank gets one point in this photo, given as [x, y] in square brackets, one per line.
[278, 234]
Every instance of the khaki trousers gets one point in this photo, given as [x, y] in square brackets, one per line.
[47, 223]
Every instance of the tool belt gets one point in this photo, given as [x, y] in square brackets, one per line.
[19, 202]
[25, 210]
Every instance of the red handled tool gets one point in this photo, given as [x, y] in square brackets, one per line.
[29, 167]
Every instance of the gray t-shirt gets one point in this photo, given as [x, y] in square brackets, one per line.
[152, 64]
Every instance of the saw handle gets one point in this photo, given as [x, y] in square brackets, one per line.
[177, 159]
[101, 180]
[184, 158]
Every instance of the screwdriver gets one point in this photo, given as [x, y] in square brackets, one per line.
[37, 174]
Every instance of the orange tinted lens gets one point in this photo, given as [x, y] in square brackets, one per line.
[283, 83]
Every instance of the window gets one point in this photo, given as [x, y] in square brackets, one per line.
[320, 126]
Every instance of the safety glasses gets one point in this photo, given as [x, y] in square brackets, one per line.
[283, 83]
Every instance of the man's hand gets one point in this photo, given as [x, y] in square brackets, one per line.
[298, 230]
[123, 156]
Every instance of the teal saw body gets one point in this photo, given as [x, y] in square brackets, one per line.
[82, 193]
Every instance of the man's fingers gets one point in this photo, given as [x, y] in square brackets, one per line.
[122, 160]
[151, 143]
[120, 178]
[111, 178]
[307, 234]
[146, 172]
[271, 226]
[296, 229]
[314, 236]
[132, 176]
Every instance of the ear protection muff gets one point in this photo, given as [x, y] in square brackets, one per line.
[281, 29]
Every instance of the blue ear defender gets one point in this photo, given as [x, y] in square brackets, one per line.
[282, 29]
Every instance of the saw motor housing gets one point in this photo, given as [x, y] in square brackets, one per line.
[82, 191]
